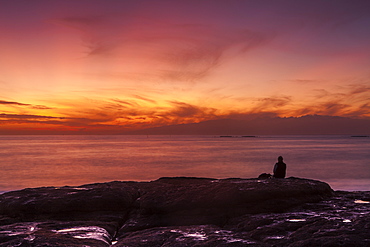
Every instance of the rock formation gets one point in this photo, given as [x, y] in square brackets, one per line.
[186, 212]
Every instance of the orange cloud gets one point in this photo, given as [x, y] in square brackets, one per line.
[3, 102]
[138, 112]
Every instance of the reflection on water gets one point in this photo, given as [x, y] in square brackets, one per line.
[32, 161]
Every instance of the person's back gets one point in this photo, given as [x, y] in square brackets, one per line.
[279, 168]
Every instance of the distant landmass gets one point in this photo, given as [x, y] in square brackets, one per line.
[305, 125]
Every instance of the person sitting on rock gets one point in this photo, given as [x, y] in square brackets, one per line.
[279, 168]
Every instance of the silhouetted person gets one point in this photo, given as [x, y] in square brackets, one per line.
[279, 168]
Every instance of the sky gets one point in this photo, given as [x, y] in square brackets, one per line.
[110, 66]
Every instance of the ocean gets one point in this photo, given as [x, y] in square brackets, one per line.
[59, 160]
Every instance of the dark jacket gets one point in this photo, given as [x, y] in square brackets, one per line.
[279, 170]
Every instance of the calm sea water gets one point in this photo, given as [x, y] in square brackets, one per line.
[33, 161]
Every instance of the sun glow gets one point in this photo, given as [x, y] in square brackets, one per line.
[75, 68]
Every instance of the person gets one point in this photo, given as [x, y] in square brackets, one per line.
[279, 168]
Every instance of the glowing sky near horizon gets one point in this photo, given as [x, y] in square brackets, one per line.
[122, 65]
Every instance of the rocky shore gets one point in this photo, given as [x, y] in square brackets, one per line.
[187, 212]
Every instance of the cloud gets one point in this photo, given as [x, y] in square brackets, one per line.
[122, 102]
[363, 111]
[304, 81]
[183, 110]
[271, 104]
[131, 115]
[31, 119]
[3, 102]
[13, 103]
[41, 107]
[320, 93]
[334, 108]
[359, 89]
[27, 121]
[26, 116]
[161, 49]
[50, 120]
[93, 28]
[194, 58]
[349, 100]
[144, 99]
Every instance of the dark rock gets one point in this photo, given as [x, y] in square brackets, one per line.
[56, 202]
[53, 234]
[186, 212]
[203, 201]
[185, 236]
[265, 176]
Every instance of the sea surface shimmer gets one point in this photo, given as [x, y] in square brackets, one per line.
[34, 161]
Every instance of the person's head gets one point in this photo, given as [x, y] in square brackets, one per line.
[280, 158]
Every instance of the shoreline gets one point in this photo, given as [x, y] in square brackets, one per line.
[352, 183]
[187, 211]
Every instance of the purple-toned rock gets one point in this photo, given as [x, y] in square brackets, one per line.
[186, 212]
[189, 201]
[113, 196]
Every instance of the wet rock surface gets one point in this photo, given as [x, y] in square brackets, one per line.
[187, 212]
